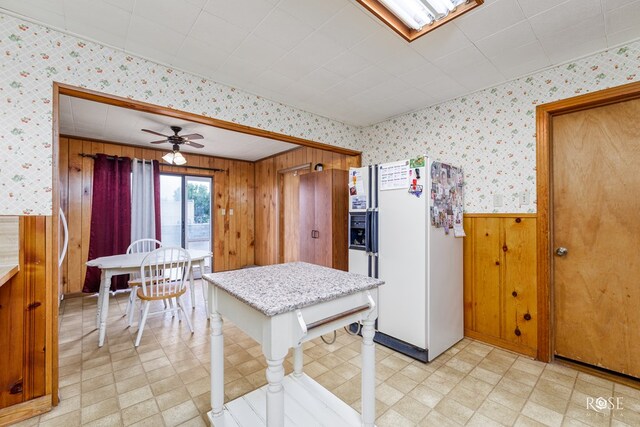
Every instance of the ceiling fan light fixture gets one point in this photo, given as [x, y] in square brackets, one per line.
[179, 159]
[168, 157]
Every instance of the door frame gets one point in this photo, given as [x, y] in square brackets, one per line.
[544, 189]
[279, 205]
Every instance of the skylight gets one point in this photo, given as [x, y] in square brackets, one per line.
[414, 18]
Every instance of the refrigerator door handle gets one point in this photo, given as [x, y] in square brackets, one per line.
[367, 232]
[374, 232]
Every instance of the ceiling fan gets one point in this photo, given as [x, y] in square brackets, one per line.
[175, 157]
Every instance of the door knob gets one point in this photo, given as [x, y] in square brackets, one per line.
[562, 251]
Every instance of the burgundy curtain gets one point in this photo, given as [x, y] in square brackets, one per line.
[110, 216]
[156, 198]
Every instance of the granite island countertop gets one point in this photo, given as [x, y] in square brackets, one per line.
[280, 288]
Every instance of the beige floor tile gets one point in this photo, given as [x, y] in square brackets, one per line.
[198, 421]
[132, 383]
[454, 410]
[401, 382]
[139, 411]
[524, 421]
[69, 419]
[411, 409]
[64, 407]
[388, 394]
[98, 395]
[394, 362]
[180, 413]
[134, 396]
[165, 381]
[153, 421]
[588, 416]
[498, 412]
[469, 398]
[393, 419]
[435, 418]
[112, 420]
[426, 395]
[173, 397]
[541, 414]
[479, 420]
[99, 410]
[506, 398]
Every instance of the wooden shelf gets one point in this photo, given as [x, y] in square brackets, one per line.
[306, 403]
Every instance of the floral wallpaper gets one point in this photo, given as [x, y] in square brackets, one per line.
[491, 134]
[33, 57]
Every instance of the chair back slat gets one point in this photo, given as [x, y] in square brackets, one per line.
[143, 245]
[140, 246]
[164, 272]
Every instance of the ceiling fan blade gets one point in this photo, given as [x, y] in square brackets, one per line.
[154, 132]
[159, 142]
[192, 136]
[193, 144]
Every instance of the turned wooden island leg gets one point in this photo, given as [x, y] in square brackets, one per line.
[275, 393]
[217, 366]
[368, 374]
[298, 360]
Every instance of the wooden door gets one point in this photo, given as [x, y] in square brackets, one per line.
[289, 215]
[307, 210]
[323, 240]
[596, 154]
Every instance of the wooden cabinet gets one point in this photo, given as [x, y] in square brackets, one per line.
[323, 218]
[500, 281]
[28, 326]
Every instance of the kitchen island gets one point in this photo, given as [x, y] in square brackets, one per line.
[281, 307]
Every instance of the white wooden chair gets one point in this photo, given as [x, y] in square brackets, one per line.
[141, 245]
[163, 276]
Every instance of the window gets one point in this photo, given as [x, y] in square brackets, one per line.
[412, 19]
[185, 207]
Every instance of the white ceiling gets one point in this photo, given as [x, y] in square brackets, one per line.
[89, 119]
[333, 58]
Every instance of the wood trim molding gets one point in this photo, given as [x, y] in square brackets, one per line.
[544, 190]
[104, 141]
[24, 410]
[77, 92]
[500, 215]
[295, 168]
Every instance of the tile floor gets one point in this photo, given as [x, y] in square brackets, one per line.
[165, 381]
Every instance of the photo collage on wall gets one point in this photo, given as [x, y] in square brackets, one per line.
[447, 202]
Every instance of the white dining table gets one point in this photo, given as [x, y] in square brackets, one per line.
[115, 265]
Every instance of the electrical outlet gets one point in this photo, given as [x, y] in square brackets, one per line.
[497, 200]
[231, 211]
[524, 198]
[223, 212]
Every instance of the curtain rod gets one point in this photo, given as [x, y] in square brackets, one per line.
[93, 156]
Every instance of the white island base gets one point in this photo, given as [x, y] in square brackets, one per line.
[281, 307]
[306, 402]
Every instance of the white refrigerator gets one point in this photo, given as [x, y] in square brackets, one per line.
[405, 227]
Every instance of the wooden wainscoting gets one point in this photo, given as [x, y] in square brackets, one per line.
[233, 235]
[267, 213]
[28, 365]
[500, 298]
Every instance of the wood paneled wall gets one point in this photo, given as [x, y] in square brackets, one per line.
[28, 365]
[500, 297]
[233, 235]
[266, 202]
